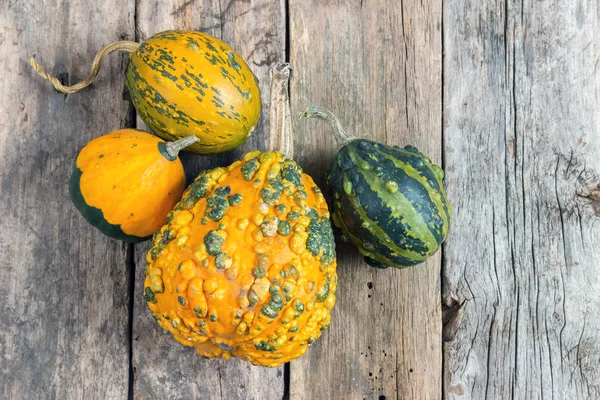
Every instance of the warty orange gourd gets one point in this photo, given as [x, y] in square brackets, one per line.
[245, 265]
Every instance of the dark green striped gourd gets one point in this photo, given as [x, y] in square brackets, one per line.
[389, 201]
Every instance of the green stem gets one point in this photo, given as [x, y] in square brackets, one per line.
[173, 148]
[340, 135]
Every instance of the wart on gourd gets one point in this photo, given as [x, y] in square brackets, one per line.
[263, 241]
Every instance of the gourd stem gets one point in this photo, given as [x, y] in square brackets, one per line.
[173, 148]
[281, 137]
[341, 136]
[122, 45]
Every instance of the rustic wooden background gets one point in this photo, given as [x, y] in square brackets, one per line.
[504, 93]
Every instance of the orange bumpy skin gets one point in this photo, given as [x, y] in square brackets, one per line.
[246, 265]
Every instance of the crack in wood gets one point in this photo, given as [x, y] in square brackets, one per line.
[181, 9]
[130, 266]
[452, 312]
[164, 368]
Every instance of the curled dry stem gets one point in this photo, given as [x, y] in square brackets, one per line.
[106, 50]
[341, 136]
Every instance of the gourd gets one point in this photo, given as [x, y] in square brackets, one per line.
[390, 202]
[124, 183]
[186, 83]
[245, 265]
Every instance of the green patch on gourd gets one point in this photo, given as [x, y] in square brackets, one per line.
[199, 312]
[320, 237]
[235, 200]
[264, 345]
[292, 173]
[213, 241]
[250, 168]
[167, 236]
[220, 260]
[149, 296]
[217, 204]
[269, 312]
[284, 228]
[325, 289]
[268, 228]
[197, 190]
[299, 306]
[94, 215]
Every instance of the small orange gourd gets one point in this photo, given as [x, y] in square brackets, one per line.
[124, 183]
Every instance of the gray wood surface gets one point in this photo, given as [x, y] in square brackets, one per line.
[505, 93]
[162, 367]
[64, 293]
[522, 127]
[377, 65]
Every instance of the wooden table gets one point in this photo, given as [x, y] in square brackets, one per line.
[506, 94]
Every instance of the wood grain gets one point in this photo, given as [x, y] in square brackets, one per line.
[522, 118]
[377, 66]
[520, 96]
[63, 319]
[162, 367]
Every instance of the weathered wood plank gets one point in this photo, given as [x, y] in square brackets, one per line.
[63, 319]
[163, 368]
[522, 118]
[377, 65]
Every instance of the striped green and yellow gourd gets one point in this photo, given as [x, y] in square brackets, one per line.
[389, 201]
[185, 83]
[190, 83]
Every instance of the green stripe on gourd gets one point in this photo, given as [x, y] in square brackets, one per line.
[94, 215]
[353, 222]
[380, 224]
[419, 167]
[390, 202]
[412, 189]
